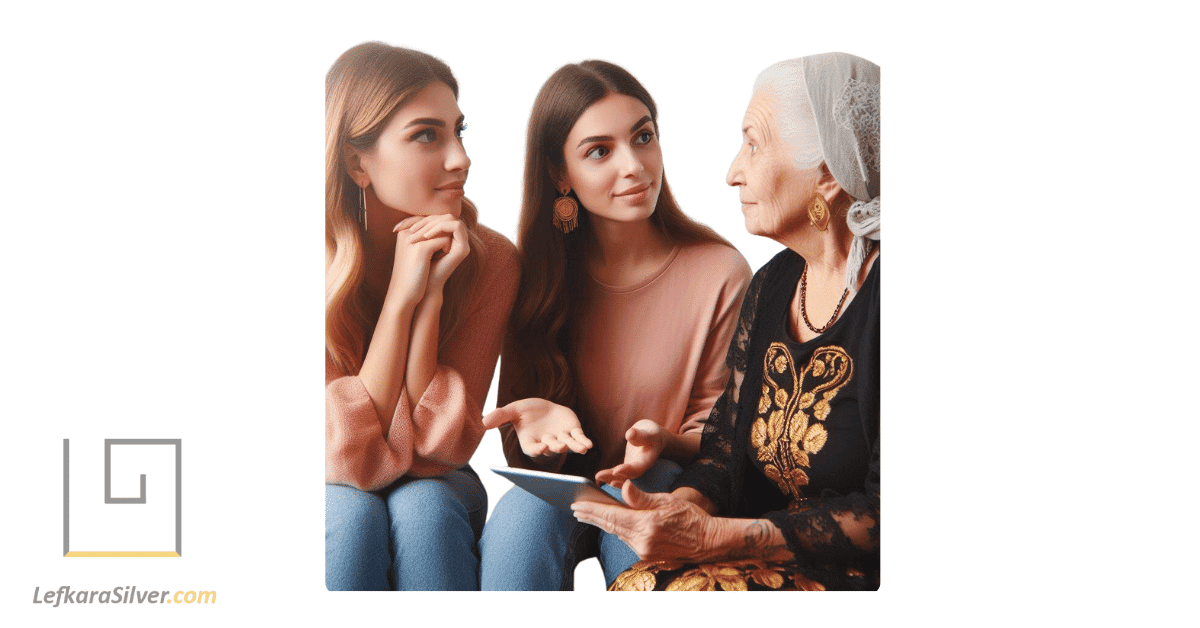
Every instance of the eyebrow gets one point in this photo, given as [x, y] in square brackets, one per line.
[608, 138]
[432, 122]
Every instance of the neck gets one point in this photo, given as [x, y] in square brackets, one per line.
[824, 252]
[623, 253]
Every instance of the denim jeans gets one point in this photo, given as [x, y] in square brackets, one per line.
[529, 545]
[419, 534]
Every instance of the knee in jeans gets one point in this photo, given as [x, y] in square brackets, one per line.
[425, 501]
[350, 511]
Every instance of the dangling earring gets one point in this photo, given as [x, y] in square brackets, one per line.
[566, 213]
[362, 207]
[818, 212]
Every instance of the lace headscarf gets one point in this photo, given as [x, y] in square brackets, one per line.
[843, 92]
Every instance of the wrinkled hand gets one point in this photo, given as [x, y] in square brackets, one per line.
[411, 270]
[543, 427]
[656, 526]
[644, 442]
[440, 227]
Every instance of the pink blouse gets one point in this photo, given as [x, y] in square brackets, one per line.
[654, 350]
[445, 426]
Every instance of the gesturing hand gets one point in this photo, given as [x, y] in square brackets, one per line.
[543, 427]
[656, 526]
[644, 442]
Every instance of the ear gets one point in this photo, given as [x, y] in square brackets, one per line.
[352, 157]
[559, 178]
[828, 186]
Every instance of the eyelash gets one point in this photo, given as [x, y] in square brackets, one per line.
[431, 134]
[648, 135]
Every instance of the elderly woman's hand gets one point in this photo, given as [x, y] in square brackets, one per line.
[656, 526]
[666, 526]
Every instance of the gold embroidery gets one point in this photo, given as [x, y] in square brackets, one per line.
[783, 435]
[707, 577]
[640, 576]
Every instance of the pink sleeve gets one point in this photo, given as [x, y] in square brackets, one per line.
[445, 425]
[712, 373]
[447, 421]
[357, 450]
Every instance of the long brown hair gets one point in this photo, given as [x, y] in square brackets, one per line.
[364, 88]
[552, 270]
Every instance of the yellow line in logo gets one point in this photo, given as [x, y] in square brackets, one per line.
[122, 554]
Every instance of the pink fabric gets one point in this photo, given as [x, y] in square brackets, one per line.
[445, 426]
[655, 350]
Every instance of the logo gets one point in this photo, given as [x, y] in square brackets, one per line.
[134, 509]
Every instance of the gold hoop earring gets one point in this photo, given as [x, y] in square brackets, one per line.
[362, 207]
[818, 212]
[566, 213]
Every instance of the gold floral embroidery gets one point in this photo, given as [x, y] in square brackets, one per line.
[640, 576]
[765, 575]
[784, 435]
[806, 584]
[708, 577]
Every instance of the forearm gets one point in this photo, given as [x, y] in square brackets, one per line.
[744, 539]
[382, 372]
[423, 345]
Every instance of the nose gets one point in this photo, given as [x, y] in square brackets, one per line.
[457, 158]
[734, 176]
[631, 164]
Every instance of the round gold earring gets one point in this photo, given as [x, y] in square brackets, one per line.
[818, 212]
[566, 213]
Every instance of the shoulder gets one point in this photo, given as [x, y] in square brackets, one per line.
[499, 254]
[714, 260]
[782, 261]
[501, 267]
[496, 248]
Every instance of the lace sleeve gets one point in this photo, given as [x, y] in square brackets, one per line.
[712, 470]
[836, 529]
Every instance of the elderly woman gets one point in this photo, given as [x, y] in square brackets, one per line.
[784, 493]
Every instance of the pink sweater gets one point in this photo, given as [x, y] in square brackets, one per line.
[445, 425]
[654, 350]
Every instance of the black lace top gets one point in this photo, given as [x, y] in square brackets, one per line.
[795, 437]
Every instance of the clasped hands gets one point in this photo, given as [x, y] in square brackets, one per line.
[428, 250]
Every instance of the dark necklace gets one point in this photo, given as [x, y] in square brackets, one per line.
[804, 313]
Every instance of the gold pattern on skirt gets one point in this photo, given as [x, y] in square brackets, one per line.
[727, 576]
[784, 435]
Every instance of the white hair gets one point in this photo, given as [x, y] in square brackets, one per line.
[794, 114]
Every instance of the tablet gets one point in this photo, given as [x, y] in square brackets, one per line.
[557, 489]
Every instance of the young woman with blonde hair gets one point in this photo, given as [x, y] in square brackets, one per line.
[616, 347]
[417, 294]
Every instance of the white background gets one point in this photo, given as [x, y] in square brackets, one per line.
[162, 190]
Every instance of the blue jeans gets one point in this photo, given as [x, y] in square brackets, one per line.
[419, 534]
[529, 545]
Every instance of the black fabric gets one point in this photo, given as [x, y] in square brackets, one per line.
[828, 506]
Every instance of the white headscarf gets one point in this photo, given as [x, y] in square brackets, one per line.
[843, 92]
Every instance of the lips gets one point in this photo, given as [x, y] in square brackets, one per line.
[455, 185]
[637, 189]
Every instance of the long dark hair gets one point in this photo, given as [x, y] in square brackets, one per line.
[366, 86]
[552, 271]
